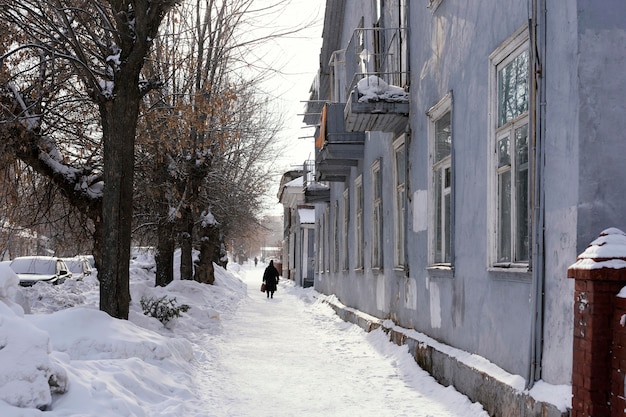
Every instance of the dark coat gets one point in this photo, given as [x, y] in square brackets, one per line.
[270, 277]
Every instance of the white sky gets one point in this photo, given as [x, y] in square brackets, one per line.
[297, 57]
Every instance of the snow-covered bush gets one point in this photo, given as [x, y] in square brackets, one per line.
[163, 309]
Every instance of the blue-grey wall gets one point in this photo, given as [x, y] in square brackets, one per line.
[581, 182]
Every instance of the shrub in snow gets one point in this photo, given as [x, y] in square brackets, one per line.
[163, 309]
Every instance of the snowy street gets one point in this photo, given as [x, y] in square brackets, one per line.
[234, 353]
[292, 356]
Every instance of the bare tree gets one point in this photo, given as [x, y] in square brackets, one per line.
[219, 132]
[102, 46]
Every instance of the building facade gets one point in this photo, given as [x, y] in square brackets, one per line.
[298, 257]
[471, 150]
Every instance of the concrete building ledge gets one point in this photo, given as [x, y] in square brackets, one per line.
[501, 393]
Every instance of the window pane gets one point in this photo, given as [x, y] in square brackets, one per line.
[513, 89]
[399, 215]
[521, 194]
[446, 226]
[504, 152]
[438, 218]
[504, 217]
[376, 238]
[359, 226]
[443, 137]
[400, 227]
[400, 166]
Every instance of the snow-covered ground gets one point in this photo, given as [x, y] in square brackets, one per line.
[233, 353]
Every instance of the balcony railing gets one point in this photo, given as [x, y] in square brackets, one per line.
[377, 51]
[314, 192]
[377, 96]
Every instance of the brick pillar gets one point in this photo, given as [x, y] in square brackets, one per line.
[600, 273]
[618, 371]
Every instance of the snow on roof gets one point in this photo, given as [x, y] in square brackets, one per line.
[373, 88]
[298, 182]
[317, 186]
[307, 215]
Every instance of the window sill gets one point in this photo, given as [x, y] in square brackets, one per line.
[440, 271]
[515, 273]
[516, 268]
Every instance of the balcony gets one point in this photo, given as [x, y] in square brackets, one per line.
[378, 98]
[336, 150]
[314, 192]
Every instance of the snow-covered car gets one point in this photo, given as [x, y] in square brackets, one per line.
[33, 269]
[79, 266]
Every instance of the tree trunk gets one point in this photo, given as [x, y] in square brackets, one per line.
[186, 262]
[165, 255]
[119, 121]
[210, 249]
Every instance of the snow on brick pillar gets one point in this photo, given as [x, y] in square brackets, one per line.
[600, 274]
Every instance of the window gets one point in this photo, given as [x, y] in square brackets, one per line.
[510, 184]
[346, 220]
[335, 233]
[326, 244]
[441, 183]
[358, 225]
[400, 193]
[377, 216]
[379, 35]
[320, 245]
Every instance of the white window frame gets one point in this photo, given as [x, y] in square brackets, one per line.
[512, 48]
[346, 228]
[377, 215]
[441, 222]
[335, 234]
[359, 241]
[399, 203]
[326, 244]
[319, 237]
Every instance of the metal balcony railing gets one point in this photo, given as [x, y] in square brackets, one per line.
[377, 51]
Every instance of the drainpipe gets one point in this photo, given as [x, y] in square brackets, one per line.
[537, 53]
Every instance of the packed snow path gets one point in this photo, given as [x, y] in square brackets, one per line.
[292, 356]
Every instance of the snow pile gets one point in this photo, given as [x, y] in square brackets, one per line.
[373, 88]
[30, 374]
[72, 359]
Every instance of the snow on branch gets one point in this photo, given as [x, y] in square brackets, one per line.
[41, 152]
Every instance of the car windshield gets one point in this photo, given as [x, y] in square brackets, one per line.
[34, 266]
[75, 266]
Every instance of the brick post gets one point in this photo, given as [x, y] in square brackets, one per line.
[600, 273]
[618, 371]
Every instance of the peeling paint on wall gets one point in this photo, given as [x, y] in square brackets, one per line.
[410, 294]
[380, 293]
[420, 211]
[435, 306]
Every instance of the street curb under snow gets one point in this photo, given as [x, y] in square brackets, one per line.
[500, 393]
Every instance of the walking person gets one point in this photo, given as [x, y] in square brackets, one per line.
[270, 278]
